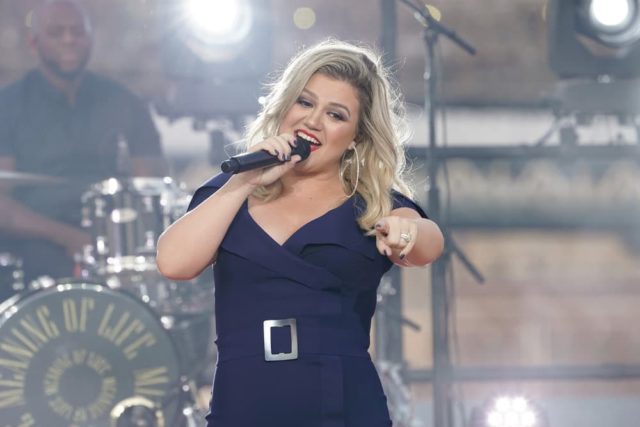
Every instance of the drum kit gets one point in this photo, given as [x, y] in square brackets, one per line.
[118, 345]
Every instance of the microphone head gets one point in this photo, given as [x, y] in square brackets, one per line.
[229, 165]
[302, 148]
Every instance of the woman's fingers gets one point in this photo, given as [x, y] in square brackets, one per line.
[382, 226]
[410, 236]
[284, 149]
[383, 249]
[279, 146]
[395, 234]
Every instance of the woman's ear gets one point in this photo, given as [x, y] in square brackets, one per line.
[352, 146]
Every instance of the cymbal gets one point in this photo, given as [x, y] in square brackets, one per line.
[23, 178]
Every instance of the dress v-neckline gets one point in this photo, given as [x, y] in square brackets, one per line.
[299, 229]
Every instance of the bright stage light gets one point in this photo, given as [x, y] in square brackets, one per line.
[509, 411]
[216, 54]
[219, 22]
[611, 14]
[615, 23]
[592, 38]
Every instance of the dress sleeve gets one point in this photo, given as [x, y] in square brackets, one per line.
[207, 189]
[402, 201]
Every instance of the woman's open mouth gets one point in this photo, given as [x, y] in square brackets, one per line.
[312, 140]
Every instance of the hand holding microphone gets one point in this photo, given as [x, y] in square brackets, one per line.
[265, 157]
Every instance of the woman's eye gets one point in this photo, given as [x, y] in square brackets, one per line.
[304, 102]
[336, 116]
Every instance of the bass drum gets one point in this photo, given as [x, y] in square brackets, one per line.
[72, 352]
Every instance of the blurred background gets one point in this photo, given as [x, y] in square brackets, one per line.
[537, 165]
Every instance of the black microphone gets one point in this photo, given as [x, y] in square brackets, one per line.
[262, 158]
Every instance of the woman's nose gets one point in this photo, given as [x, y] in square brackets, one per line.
[314, 119]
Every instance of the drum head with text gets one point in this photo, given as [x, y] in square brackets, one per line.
[70, 353]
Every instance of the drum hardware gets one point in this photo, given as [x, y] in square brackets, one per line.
[139, 277]
[149, 242]
[23, 178]
[186, 392]
[11, 276]
[398, 395]
[42, 282]
[193, 415]
[136, 411]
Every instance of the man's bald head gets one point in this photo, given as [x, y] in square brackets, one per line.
[61, 38]
[42, 12]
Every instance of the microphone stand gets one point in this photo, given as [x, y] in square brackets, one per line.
[442, 375]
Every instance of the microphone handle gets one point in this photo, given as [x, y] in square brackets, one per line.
[248, 161]
[261, 159]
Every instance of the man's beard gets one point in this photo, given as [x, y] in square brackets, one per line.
[68, 75]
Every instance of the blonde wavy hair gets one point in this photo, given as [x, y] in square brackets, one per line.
[382, 129]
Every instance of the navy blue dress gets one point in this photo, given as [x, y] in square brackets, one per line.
[323, 279]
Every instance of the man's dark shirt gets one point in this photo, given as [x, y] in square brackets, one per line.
[47, 135]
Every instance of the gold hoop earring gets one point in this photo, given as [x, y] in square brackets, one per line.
[343, 168]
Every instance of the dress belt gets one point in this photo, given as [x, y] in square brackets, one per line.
[287, 339]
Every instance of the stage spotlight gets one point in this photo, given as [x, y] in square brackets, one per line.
[216, 28]
[610, 15]
[213, 32]
[511, 412]
[508, 411]
[615, 23]
[591, 38]
[216, 54]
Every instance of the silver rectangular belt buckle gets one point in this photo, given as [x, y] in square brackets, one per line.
[268, 354]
